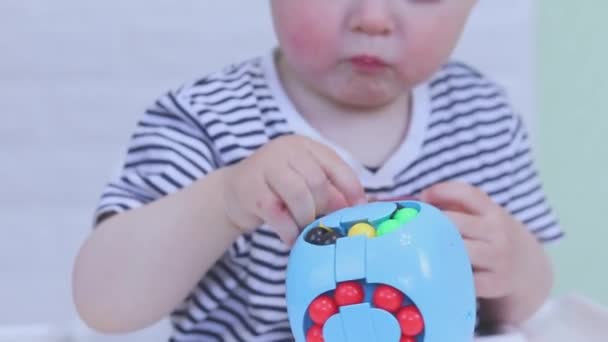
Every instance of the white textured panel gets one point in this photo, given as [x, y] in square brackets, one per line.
[74, 76]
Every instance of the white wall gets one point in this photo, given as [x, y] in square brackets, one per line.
[74, 75]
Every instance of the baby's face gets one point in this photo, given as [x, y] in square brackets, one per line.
[365, 53]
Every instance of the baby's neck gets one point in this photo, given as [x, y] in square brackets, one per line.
[371, 135]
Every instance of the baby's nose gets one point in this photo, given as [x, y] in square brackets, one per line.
[372, 17]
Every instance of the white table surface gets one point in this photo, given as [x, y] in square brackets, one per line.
[570, 318]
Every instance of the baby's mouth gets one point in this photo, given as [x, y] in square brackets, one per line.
[372, 198]
[368, 63]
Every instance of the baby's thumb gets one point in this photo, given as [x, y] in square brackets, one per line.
[432, 196]
[336, 200]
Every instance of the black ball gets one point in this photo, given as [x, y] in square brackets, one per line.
[316, 236]
[331, 237]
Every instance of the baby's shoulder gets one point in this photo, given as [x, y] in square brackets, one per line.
[458, 88]
[462, 99]
[233, 82]
[456, 76]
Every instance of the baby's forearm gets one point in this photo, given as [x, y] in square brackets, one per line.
[531, 292]
[138, 266]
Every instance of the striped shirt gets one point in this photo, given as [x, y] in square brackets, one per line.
[462, 128]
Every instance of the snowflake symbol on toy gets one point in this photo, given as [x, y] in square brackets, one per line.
[406, 239]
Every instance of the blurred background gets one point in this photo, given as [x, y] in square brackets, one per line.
[75, 76]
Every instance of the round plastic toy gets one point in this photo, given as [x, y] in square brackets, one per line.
[381, 272]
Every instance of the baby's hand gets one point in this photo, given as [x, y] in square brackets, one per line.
[496, 241]
[287, 184]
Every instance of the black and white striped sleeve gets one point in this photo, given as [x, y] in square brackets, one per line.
[168, 151]
[527, 201]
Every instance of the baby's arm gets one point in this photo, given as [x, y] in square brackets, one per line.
[503, 234]
[161, 223]
[138, 266]
[513, 274]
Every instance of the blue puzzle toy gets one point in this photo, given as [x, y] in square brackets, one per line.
[381, 272]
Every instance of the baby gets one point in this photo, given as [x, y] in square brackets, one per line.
[357, 103]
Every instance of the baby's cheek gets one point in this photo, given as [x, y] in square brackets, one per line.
[425, 58]
[310, 43]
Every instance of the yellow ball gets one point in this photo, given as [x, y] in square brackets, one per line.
[362, 229]
[321, 225]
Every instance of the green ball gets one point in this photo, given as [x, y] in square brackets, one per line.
[405, 215]
[388, 227]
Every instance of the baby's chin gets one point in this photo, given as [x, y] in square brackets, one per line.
[364, 90]
[366, 95]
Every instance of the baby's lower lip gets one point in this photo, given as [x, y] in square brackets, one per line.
[368, 63]
[393, 199]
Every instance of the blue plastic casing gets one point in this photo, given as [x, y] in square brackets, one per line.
[425, 259]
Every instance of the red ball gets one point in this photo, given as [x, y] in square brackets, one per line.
[315, 334]
[407, 339]
[322, 308]
[387, 298]
[349, 293]
[410, 320]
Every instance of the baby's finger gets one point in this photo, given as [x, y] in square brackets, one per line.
[488, 286]
[318, 184]
[292, 189]
[271, 209]
[340, 174]
[336, 200]
[479, 254]
[285, 227]
[458, 196]
[470, 226]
